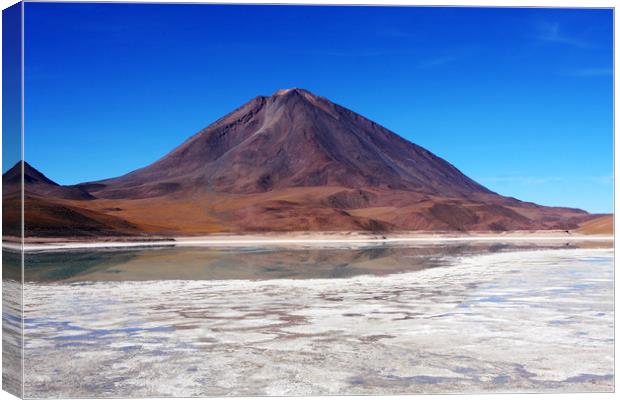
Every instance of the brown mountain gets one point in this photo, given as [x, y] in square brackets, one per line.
[37, 183]
[292, 139]
[294, 161]
[48, 211]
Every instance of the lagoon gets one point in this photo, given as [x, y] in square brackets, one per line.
[307, 320]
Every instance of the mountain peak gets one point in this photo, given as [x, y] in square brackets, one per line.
[34, 181]
[31, 174]
[295, 90]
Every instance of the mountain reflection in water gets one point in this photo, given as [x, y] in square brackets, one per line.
[201, 263]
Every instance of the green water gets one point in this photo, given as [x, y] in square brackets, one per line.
[201, 263]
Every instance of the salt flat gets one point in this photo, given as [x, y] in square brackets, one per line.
[516, 321]
[319, 239]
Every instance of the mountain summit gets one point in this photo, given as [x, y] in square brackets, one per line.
[292, 161]
[36, 182]
[293, 139]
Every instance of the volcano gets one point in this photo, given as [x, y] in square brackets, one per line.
[294, 161]
[293, 139]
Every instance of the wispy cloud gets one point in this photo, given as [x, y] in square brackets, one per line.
[603, 180]
[447, 56]
[525, 180]
[554, 33]
[350, 53]
[543, 180]
[436, 62]
[395, 33]
[585, 72]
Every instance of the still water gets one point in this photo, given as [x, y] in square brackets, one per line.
[445, 318]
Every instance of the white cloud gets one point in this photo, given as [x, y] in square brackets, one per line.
[552, 33]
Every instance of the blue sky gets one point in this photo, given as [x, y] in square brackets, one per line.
[11, 86]
[518, 99]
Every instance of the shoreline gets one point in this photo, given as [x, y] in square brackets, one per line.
[305, 238]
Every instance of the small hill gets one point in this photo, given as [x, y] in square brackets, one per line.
[36, 182]
[49, 218]
[603, 225]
